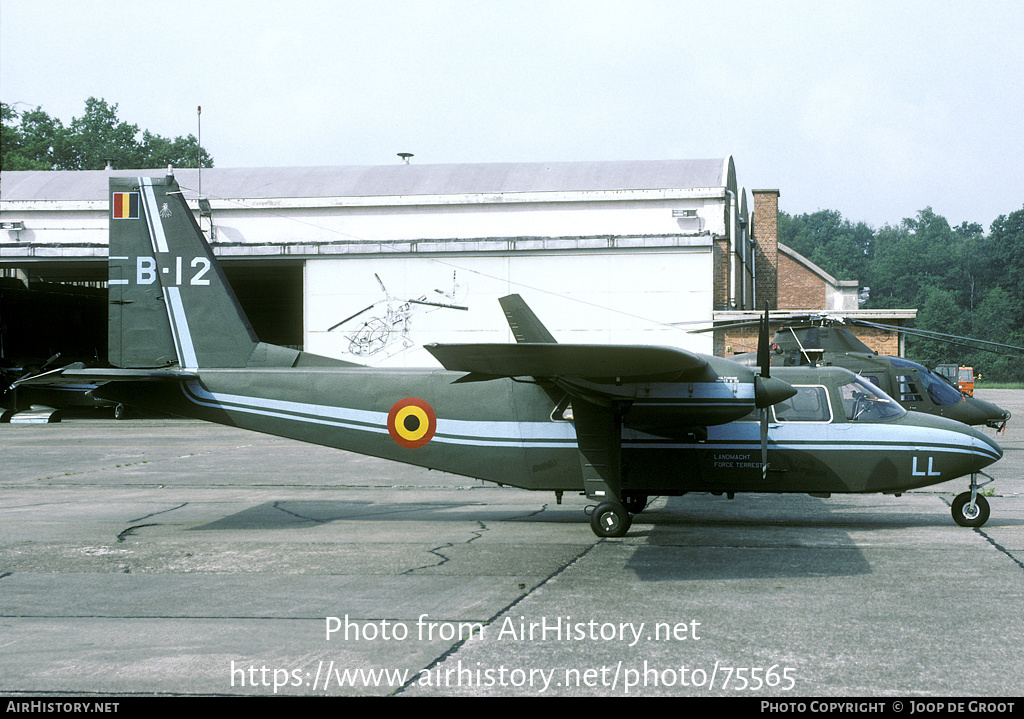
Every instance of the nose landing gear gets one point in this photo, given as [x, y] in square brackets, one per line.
[970, 509]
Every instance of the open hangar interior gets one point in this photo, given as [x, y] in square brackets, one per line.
[369, 263]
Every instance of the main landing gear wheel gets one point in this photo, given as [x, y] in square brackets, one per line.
[970, 515]
[610, 519]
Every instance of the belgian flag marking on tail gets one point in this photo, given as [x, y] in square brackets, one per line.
[412, 422]
[125, 206]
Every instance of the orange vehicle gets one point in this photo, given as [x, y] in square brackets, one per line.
[965, 380]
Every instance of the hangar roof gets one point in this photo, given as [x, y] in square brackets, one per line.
[389, 180]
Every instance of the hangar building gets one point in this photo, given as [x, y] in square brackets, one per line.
[368, 263]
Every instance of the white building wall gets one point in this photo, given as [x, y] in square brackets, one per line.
[400, 221]
[596, 264]
[604, 297]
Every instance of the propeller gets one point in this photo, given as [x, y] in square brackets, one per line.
[764, 361]
[767, 390]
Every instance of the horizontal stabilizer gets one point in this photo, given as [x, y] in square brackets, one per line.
[77, 374]
[595, 362]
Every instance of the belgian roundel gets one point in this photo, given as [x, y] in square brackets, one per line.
[412, 422]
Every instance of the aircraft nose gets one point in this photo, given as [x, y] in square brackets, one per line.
[992, 415]
[987, 450]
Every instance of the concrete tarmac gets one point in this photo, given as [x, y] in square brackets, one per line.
[174, 557]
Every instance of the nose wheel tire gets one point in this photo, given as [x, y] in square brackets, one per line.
[970, 515]
[610, 519]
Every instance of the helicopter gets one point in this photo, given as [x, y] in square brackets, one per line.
[819, 340]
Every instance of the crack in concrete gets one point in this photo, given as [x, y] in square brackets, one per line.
[127, 533]
[154, 514]
[445, 559]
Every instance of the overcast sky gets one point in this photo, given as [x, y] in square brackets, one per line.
[875, 109]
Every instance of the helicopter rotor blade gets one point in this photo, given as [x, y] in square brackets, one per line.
[339, 324]
[939, 336]
[437, 304]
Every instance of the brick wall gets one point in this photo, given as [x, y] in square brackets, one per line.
[799, 288]
[766, 234]
[720, 261]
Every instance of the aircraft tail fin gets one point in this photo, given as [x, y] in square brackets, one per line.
[169, 300]
[525, 325]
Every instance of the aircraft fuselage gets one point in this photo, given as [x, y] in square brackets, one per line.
[510, 432]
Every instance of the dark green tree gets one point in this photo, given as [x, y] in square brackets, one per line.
[838, 246]
[909, 259]
[35, 141]
[998, 320]
[28, 140]
[1005, 250]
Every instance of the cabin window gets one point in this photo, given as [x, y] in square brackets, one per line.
[908, 388]
[809, 404]
[939, 391]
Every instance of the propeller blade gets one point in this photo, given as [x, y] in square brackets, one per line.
[764, 443]
[767, 389]
[764, 359]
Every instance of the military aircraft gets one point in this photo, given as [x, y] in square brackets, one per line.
[819, 341]
[616, 422]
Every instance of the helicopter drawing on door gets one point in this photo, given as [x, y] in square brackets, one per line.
[388, 330]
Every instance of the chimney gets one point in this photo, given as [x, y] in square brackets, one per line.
[766, 260]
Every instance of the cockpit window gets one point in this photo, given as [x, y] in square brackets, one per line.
[940, 391]
[864, 402]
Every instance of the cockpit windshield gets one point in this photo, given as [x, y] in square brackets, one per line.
[864, 402]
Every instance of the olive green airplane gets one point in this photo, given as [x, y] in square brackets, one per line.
[620, 423]
[820, 342]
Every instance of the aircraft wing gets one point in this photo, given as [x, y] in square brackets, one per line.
[593, 362]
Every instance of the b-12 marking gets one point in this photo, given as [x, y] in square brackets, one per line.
[145, 271]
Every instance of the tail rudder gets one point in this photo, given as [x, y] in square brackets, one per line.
[169, 300]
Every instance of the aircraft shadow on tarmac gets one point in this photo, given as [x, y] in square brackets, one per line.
[289, 514]
[763, 536]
